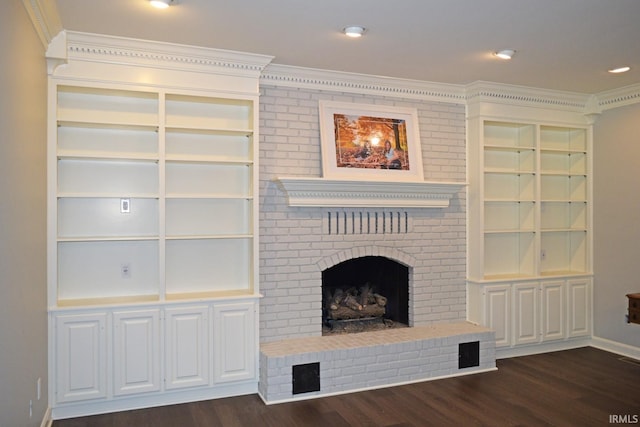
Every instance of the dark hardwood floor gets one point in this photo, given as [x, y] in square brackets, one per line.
[581, 387]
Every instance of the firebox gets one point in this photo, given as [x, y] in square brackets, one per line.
[365, 293]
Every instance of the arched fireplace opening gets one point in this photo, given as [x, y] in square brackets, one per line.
[366, 293]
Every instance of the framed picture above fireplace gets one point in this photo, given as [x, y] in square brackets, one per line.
[370, 142]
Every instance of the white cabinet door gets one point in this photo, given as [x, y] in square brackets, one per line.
[187, 347]
[579, 300]
[525, 312]
[497, 306]
[80, 352]
[234, 341]
[553, 310]
[136, 351]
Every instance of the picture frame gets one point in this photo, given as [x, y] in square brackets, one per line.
[370, 142]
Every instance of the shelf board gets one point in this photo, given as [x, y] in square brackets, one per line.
[507, 277]
[211, 237]
[65, 195]
[323, 192]
[562, 173]
[86, 302]
[509, 201]
[523, 277]
[511, 148]
[514, 231]
[184, 296]
[104, 155]
[208, 196]
[564, 273]
[562, 230]
[208, 131]
[106, 239]
[96, 124]
[562, 151]
[206, 160]
[509, 171]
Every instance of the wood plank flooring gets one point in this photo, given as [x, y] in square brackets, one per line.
[580, 387]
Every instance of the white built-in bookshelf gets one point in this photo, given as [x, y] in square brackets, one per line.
[529, 260]
[152, 223]
[155, 195]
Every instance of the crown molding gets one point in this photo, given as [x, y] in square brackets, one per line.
[491, 92]
[477, 92]
[71, 45]
[338, 81]
[45, 18]
[620, 97]
[120, 50]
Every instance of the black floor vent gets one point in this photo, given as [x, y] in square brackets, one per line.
[468, 354]
[306, 378]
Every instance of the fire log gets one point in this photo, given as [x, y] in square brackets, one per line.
[343, 313]
[380, 300]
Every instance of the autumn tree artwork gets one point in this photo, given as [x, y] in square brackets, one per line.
[368, 142]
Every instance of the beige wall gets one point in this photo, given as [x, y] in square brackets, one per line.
[616, 222]
[23, 320]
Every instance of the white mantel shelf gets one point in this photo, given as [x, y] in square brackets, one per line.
[322, 192]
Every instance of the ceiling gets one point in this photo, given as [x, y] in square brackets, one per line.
[563, 45]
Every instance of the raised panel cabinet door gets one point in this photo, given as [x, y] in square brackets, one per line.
[81, 354]
[579, 299]
[234, 339]
[553, 310]
[498, 312]
[136, 351]
[525, 313]
[186, 347]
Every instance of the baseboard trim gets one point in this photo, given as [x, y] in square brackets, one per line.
[96, 407]
[47, 421]
[616, 347]
[528, 350]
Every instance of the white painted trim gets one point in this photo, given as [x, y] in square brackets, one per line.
[147, 53]
[45, 18]
[528, 350]
[338, 393]
[616, 347]
[591, 105]
[320, 192]
[149, 400]
[481, 91]
[620, 97]
[47, 421]
[337, 81]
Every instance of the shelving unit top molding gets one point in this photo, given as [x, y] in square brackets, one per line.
[115, 59]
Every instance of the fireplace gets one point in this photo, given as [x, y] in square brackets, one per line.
[363, 294]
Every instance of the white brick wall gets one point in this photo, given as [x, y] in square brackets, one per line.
[295, 244]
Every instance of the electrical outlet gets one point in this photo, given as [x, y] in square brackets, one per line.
[125, 205]
[125, 271]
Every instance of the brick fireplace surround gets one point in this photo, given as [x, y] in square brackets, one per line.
[297, 243]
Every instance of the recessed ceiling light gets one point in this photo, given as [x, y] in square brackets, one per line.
[619, 70]
[505, 53]
[162, 4]
[354, 31]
